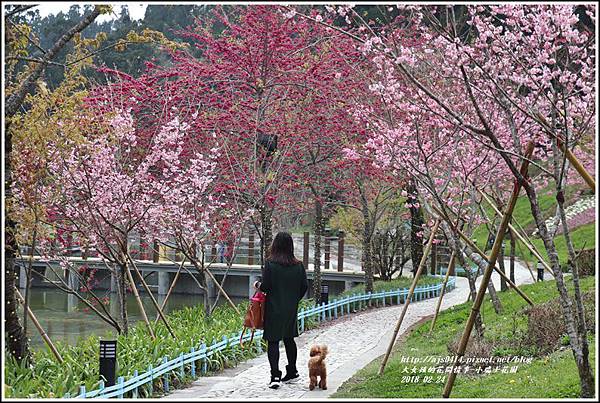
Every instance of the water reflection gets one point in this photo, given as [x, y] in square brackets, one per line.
[65, 318]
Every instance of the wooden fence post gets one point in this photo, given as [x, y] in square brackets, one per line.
[250, 247]
[433, 258]
[305, 249]
[156, 252]
[327, 249]
[340, 265]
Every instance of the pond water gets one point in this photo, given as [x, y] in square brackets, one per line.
[66, 319]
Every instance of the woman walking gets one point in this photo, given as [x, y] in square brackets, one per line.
[285, 283]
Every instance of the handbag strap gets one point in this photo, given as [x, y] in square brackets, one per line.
[242, 336]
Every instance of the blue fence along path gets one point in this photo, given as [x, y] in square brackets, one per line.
[323, 312]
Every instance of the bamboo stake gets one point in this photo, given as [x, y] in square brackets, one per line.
[487, 274]
[488, 259]
[410, 294]
[39, 327]
[223, 291]
[216, 282]
[514, 231]
[439, 303]
[171, 287]
[160, 312]
[136, 294]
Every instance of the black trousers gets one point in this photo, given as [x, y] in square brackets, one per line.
[291, 351]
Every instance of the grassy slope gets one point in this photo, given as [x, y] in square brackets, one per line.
[583, 237]
[553, 376]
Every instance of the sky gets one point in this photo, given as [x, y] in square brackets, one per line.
[136, 10]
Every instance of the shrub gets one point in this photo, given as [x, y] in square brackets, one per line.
[586, 262]
[546, 327]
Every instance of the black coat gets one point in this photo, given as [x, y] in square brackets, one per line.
[285, 286]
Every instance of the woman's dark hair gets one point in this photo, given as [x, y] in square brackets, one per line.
[282, 250]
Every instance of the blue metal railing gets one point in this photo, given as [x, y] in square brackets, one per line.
[323, 312]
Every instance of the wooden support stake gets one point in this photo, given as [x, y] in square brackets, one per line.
[164, 303]
[39, 327]
[439, 303]
[136, 294]
[145, 285]
[487, 259]
[222, 291]
[410, 294]
[521, 238]
[487, 274]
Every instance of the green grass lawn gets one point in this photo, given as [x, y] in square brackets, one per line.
[582, 237]
[552, 376]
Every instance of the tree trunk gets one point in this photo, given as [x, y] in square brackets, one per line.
[122, 295]
[367, 258]
[266, 232]
[17, 342]
[416, 226]
[513, 245]
[582, 357]
[586, 378]
[503, 285]
[455, 246]
[494, 297]
[318, 232]
[482, 264]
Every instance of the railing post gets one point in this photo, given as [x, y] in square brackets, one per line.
[100, 389]
[335, 308]
[340, 265]
[193, 366]
[120, 381]
[151, 370]
[82, 391]
[135, 391]
[204, 360]
[302, 321]
[258, 345]
[181, 369]
[165, 377]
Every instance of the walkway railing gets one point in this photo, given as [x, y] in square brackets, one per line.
[335, 308]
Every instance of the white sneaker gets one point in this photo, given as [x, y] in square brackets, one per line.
[275, 382]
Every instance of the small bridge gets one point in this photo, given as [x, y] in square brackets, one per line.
[159, 275]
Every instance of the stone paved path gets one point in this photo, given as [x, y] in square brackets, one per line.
[353, 342]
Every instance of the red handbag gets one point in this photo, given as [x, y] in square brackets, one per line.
[254, 315]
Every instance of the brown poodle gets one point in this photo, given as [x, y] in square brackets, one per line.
[316, 366]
